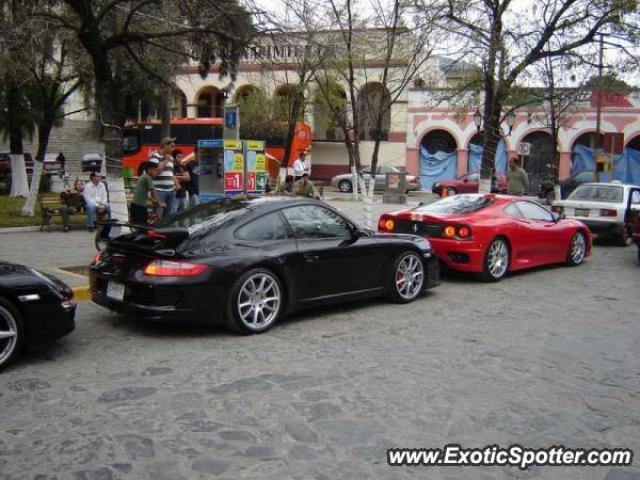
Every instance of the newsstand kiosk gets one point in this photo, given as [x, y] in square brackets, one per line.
[230, 167]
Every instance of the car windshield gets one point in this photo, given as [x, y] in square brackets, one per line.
[585, 176]
[207, 216]
[598, 193]
[456, 204]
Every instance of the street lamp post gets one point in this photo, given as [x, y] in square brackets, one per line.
[511, 120]
[598, 142]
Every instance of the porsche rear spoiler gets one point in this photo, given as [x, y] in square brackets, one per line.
[170, 237]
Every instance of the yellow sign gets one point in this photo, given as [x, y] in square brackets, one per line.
[255, 145]
[238, 162]
[233, 144]
[260, 163]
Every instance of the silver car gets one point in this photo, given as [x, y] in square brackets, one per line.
[343, 182]
[609, 208]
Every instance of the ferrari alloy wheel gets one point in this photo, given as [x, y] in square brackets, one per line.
[577, 249]
[451, 191]
[408, 278]
[496, 261]
[11, 336]
[344, 186]
[256, 301]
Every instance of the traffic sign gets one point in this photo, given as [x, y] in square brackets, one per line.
[523, 148]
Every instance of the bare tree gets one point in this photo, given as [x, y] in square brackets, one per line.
[507, 40]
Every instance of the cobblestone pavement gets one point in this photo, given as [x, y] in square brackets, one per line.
[546, 357]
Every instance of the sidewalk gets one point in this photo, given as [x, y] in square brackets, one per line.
[50, 251]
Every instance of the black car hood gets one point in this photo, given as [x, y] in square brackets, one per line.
[17, 276]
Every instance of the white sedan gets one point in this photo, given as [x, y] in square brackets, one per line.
[343, 182]
[609, 208]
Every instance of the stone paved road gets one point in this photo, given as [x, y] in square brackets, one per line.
[543, 358]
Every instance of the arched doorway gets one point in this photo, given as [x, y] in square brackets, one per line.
[438, 158]
[374, 101]
[540, 164]
[179, 107]
[210, 102]
[476, 150]
[634, 143]
[243, 92]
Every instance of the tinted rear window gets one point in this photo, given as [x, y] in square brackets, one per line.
[456, 204]
[597, 193]
[207, 217]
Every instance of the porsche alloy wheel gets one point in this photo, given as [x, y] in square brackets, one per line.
[496, 262]
[10, 332]
[344, 186]
[256, 302]
[408, 278]
[577, 249]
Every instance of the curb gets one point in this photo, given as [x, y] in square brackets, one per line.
[19, 229]
[82, 293]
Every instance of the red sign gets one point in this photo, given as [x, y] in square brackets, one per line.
[232, 181]
[251, 181]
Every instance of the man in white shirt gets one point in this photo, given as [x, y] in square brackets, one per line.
[299, 167]
[95, 199]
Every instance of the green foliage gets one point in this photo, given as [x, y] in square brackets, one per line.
[608, 81]
[329, 104]
[289, 98]
[256, 117]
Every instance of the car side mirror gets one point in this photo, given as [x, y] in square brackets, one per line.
[466, 180]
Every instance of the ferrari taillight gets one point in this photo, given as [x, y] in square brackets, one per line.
[457, 232]
[449, 231]
[386, 224]
[168, 268]
[464, 232]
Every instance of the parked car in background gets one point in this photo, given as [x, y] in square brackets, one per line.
[608, 208]
[568, 185]
[344, 182]
[248, 262]
[636, 235]
[491, 234]
[34, 307]
[467, 183]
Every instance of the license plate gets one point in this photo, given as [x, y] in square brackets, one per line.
[582, 212]
[115, 291]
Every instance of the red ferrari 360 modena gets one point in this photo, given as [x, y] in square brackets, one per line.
[493, 234]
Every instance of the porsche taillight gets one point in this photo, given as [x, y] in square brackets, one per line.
[169, 268]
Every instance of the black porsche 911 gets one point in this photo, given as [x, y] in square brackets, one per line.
[247, 262]
[34, 307]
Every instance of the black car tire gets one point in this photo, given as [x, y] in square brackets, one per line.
[236, 319]
[406, 263]
[345, 186]
[491, 272]
[575, 257]
[10, 320]
[625, 238]
[451, 191]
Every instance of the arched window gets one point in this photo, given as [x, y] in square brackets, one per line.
[374, 104]
[329, 111]
[634, 143]
[210, 102]
[287, 98]
[179, 106]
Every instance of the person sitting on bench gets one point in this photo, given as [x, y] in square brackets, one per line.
[95, 199]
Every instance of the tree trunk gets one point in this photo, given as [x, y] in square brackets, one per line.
[19, 184]
[112, 124]
[492, 137]
[165, 115]
[44, 131]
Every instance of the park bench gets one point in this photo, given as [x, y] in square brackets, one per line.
[51, 206]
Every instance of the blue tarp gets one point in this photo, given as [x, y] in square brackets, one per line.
[438, 166]
[626, 166]
[500, 159]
